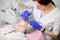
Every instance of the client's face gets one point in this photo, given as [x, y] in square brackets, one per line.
[22, 26]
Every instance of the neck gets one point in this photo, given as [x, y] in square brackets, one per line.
[49, 7]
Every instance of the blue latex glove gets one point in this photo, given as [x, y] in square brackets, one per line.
[25, 15]
[35, 25]
[25, 18]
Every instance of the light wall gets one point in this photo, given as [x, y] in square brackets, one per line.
[57, 2]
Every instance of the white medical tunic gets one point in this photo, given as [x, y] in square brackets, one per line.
[49, 21]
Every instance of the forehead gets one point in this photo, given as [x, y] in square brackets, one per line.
[38, 3]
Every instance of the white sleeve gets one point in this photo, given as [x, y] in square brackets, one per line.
[56, 26]
[13, 36]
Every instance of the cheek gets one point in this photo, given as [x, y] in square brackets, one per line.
[40, 8]
[22, 22]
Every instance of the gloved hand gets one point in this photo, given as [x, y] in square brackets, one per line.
[35, 25]
[25, 15]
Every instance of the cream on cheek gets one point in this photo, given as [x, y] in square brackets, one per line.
[22, 22]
